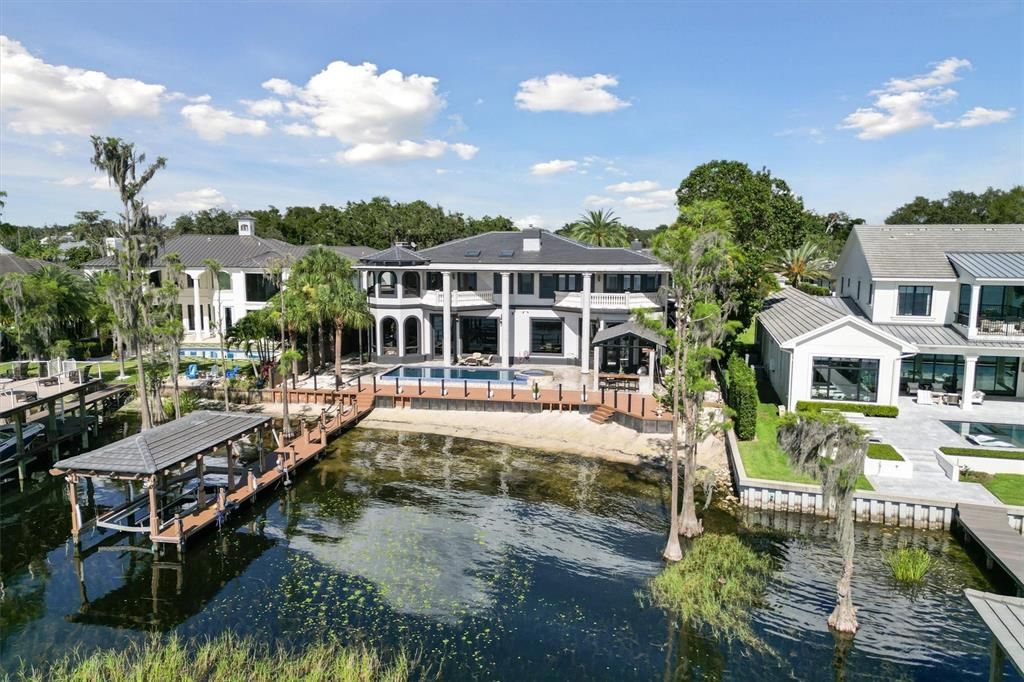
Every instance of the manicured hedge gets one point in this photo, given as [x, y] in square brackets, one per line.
[980, 452]
[813, 289]
[742, 395]
[884, 451]
[867, 410]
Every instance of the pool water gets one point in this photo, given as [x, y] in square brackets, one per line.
[456, 374]
[1011, 434]
[482, 561]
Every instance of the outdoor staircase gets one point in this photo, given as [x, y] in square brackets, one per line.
[602, 414]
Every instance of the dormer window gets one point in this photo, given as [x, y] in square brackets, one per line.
[915, 301]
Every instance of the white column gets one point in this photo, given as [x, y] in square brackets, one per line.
[446, 301]
[197, 314]
[379, 329]
[399, 288]
[363, 275]
[597, 365]
[505, 337]
[585, 350]
[972, 319]
[400, 333]
[970, 364]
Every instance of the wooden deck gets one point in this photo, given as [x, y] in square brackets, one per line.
[1004, 617]
[307, 445]
[988, 527]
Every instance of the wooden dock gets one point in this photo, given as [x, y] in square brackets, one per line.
[987, 526]
[306, 446]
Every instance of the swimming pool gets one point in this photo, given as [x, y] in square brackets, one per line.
[214, 353]
[1008, 434]
[456, 374]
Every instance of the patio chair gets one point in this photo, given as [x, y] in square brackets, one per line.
[913, 387]
[953, 399]
[20, 371]
[978, 398]
[924, 398]
[192, 372]
[233, 372]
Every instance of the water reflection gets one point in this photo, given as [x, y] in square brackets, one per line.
[488, 561]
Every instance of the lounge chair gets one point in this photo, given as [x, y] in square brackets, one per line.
[924, 398]
[487, 360]
[478, 358]
[471, 360]
[192, 372]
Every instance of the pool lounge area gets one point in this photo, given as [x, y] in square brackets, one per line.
[989, 435]
[474, 374]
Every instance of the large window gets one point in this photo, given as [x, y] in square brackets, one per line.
[434, 282]
[845, 379]
[258, 287]
[996, 375]
[1002, 303]
[963, 306]
[525, 280]
[224, 281]
[467, 281]
[410, 284]
[932, 372]
[569, 282]
[496, 284]
[547, 286]
[387, 284]
[915, 300]
[546, 336]
[479, 335]
[617, 284]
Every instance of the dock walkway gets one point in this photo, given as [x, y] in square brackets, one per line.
[987, 526]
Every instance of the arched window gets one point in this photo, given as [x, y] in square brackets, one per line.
[412, 335]
[411, 284]
[387, 284]
[389, 336]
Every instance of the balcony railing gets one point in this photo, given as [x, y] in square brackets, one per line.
[1001, 326]
[460, 299]
[624, 301]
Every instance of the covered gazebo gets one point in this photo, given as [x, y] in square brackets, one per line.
[626, 356]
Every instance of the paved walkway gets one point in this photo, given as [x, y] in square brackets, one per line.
[919, 430]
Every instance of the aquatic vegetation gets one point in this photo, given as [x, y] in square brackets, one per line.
[227, 657]
[717, 584]
[909, 564]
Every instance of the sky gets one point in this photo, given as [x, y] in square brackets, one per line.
[537, 111]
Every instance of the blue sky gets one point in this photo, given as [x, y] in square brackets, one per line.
[536, 111]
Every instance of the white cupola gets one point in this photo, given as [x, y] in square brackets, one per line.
[246, 226]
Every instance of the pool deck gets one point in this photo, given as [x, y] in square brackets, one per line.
[919, 430]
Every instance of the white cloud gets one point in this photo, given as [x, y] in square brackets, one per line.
[44, 98]
[563, 92]
[184, 202]
[279, 86]
[213, 124]
[379, 117]
[100, 182]
[58, 148]
[529, 221]
[662, 195]
[646, 204]
[597, 200]
[457, 125]
[371, 152]
[553, 167]
[814, 134]
[979, 116]
[298, 129]
[615, 170]
[638, 186]
[263, 107]
[907, 103]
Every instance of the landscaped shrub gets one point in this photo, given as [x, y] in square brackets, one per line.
[742, 397]
[909, 565]
[868, 410]
[980, 452]
[883, 451]
[813, 289]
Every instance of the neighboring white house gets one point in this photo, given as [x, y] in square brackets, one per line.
[938, 307]
[244, 284]
[520, 296]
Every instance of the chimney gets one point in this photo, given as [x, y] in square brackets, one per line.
[246, 226]
[531, 239]
[636, 245]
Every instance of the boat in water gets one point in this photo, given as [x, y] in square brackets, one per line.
[9, 441]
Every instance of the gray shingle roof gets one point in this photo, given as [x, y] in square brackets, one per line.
[396, 255]
[165, 445]
[9, 263]
[987, 265]
[919, 251]
[554, 250]
[942, 335]
[790, 313]
[232, 251]
[620, 330]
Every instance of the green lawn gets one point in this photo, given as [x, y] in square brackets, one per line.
[1009, 488]
[762, 458]
[978, 452]
[884, 451]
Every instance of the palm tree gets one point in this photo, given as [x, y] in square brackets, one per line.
[170, 329]
[140, 236]
[600, 228]
[276, 270]
[333, 293]
[255, 330]
[213, 268]
[801, 263]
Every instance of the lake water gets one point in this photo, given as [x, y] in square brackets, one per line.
[487, 562]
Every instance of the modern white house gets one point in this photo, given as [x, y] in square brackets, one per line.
[243, 285]
[525, 296]
[938, 308]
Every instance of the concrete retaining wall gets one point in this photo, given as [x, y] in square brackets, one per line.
[887, 467]
[869, 506]
[990, 465]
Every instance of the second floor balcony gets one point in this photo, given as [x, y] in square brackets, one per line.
[998, 312]
[601, 301]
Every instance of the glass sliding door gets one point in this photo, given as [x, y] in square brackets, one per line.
[845, 379]
[996, 375]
